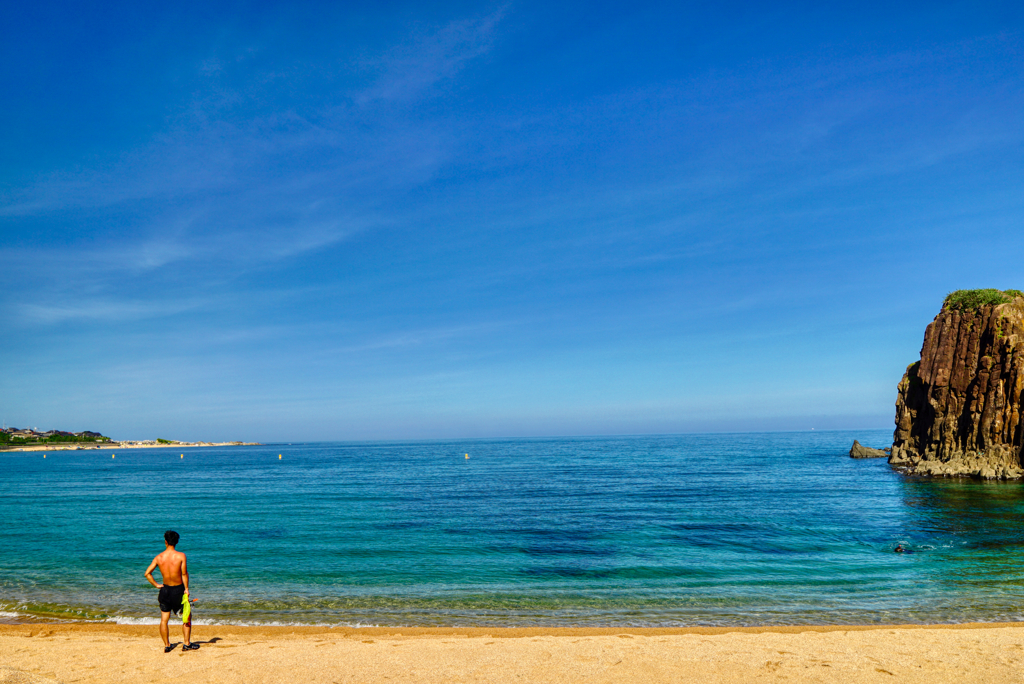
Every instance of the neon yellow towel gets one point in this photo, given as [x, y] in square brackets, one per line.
[186, 610]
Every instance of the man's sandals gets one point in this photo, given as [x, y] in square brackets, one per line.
[190, 647]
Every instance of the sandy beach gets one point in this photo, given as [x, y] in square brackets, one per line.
[88, 653]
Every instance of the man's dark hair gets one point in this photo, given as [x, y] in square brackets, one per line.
[171, 537]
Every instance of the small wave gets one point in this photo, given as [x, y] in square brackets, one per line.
[281, 623]
[135, 621]
[149, 621]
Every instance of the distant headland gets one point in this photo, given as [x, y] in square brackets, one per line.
[29, 439]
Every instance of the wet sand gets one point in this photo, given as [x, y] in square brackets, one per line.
[38, 653]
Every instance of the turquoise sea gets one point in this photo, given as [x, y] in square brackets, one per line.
[723, 529]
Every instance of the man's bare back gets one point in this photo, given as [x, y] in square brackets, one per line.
[172, 564]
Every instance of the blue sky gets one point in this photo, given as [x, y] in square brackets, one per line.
[314, 221]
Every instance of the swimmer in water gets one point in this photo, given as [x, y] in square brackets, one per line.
[901, 549]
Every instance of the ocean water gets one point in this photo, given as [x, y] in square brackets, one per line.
[723, 529]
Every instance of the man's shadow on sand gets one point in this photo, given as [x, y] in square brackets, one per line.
[176, 644]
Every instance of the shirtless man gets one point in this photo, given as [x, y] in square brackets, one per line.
[174, 574]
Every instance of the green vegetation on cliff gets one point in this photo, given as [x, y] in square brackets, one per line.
[61, 439]
[971, 300]
[21, 438]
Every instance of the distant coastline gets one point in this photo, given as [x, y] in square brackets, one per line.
[27, 439]
[145, 444]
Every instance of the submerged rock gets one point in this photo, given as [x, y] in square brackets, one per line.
[958, 412]
[858, 450]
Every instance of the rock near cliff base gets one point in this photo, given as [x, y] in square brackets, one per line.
[858, 450]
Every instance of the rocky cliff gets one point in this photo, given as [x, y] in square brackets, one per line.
[959, 408]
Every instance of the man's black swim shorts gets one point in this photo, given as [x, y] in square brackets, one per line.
[170, 598]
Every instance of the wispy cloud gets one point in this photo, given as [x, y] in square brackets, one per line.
[104, 310]
[228, 199]
[410, 70]
[268, 186]
[421, 337]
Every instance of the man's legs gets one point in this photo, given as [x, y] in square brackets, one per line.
[164, 617]
[186, 630]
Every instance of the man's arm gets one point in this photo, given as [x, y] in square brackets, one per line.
[184, 572]
[149, 575]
